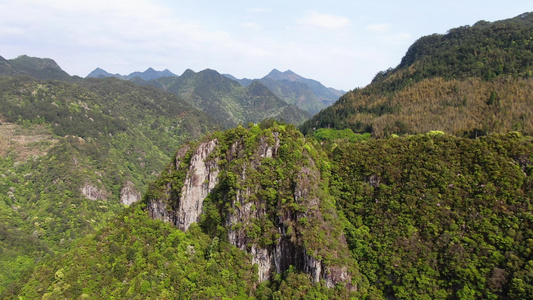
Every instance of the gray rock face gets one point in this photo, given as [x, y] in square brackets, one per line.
[201, 179]
[93, 193]
[128, 194]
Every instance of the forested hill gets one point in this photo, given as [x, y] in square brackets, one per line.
[72, 154]
[471, 80]
[428, 216]
[40, 68]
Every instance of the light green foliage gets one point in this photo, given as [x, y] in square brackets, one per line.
[97, 133]
[136, 257]
[332, 135]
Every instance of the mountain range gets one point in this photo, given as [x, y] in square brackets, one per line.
[149, 74]
[417, 186]
[306, 94]
[227, 101]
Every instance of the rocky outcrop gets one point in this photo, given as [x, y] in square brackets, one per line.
[201, 178]
[93, 192]
[276, 234]
[128, 194]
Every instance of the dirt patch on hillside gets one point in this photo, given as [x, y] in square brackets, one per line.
[24, 142]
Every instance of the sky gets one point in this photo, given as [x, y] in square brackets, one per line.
[342, 44]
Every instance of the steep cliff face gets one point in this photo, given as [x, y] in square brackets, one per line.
[265, 189]
[201, 176]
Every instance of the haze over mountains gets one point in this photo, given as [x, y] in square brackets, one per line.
[433, 201]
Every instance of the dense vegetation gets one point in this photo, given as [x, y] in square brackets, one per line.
[136, 257]
[437, 217]
[429, 216]
[472, 80]
[443, 211]
[70, 153]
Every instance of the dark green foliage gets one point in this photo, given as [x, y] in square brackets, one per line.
[484, 50]
[435, 216]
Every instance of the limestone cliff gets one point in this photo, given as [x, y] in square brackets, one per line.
[265, 189]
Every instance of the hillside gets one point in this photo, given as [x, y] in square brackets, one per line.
[433, 201]
[307, 94]
[258, 221]
[227, 101]
[471, 81]
[72, 154]
[266, 214]
[40, 68]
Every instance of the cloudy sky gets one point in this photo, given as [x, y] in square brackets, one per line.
[341, 43]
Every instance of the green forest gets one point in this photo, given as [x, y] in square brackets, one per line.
[417, 186]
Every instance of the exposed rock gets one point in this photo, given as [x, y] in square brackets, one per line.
[158, 210]
[201, 179]
[94, 193]
[128, 194]
[263, 259]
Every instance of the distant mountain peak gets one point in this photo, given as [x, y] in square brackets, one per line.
[99, 73]
[41, 68]
[188, 73]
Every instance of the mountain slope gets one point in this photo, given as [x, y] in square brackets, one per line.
[101, 73]
[73, 154]
[227, 101]
[425, 216]
[470, 80]
[261, 190]
[268, 229]
[323, 93]
[440, 217]
[40, 68]
[307, 94]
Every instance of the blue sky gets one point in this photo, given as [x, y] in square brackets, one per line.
[343, 44]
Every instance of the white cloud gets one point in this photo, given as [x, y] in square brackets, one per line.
[380, 28]
[325, 21]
